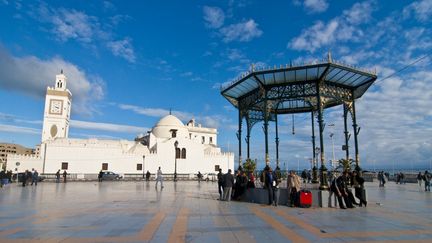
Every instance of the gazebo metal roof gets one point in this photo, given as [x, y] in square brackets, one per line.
[293, 89]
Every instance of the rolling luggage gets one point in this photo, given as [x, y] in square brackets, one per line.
[305, 199]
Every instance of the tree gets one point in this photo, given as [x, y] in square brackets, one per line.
[346, 164]
[249, 165]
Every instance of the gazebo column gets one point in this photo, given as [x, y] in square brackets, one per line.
[248, 131]
[277, 141]
[323, 169]
[314, 168]
[345, 115]
[239, 137]
[266, 114]
[356, 132]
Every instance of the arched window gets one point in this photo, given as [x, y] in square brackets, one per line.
[177, 153]
[183, 153]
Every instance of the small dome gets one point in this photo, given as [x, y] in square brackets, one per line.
[163, 129]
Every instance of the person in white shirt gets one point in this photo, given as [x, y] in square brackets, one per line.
[159, 177]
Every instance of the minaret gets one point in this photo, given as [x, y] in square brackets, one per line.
[58, 102]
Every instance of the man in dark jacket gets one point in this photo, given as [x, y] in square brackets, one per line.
[270, 182]
[228, 184]
[220, 184]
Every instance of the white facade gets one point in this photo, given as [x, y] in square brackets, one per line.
[196, 148]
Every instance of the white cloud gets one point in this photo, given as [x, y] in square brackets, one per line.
[156, 112]
[360, 12]
[422, 10]
[70, 24]
[122, 48]
[31, 75]
[313, 6]
[235, 54]
[186, 74]
[73, 25]
[107, 127]
[214, 17]
[316, 36]
[19, 129]
[339, 29]
[242, 32]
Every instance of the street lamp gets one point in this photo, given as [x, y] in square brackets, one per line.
[175, 161]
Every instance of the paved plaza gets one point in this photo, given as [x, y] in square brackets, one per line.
[127, 211]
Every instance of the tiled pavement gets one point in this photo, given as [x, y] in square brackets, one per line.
[124, 211]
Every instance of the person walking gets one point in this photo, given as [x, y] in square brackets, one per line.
[148, 176]
[228, 181]
[420, 180]
[220, 184]
[58, 176]
[427, 178]
[100, 175]
[293, 185]
[35, 177]
[358, 183]
[24, 178]
[159, 178]
[64, 176]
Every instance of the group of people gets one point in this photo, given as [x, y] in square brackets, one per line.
[234, 188]
[58, 176]
[5, 177]
[400, 178]
[426, 177]
[382, 178]
[339, 187]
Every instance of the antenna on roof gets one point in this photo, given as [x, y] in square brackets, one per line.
[170, 111]
[61, 71]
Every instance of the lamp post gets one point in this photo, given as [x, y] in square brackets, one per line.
[175, 160]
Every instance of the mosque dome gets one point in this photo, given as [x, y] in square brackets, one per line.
[166, 125]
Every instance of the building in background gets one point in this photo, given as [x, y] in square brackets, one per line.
[12, 149]
[175, 147]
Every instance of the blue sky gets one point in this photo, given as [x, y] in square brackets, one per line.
[129, 62]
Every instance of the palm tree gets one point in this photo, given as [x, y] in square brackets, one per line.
[346, 164]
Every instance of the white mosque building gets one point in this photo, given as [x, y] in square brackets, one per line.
[170, 144]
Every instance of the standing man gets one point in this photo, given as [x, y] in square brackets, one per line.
[64, 176]
[220, 184]
[277, 175]
[293, 184]
[269, 184]
[58, 176]
[35, 177]
[228, 180]
[199, 177]
[159, 177]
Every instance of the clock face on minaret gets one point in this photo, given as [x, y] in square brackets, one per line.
[56, 107]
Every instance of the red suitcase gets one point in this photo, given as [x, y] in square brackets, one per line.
[305, 199]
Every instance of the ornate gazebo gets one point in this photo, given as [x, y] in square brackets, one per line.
[262, 95]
